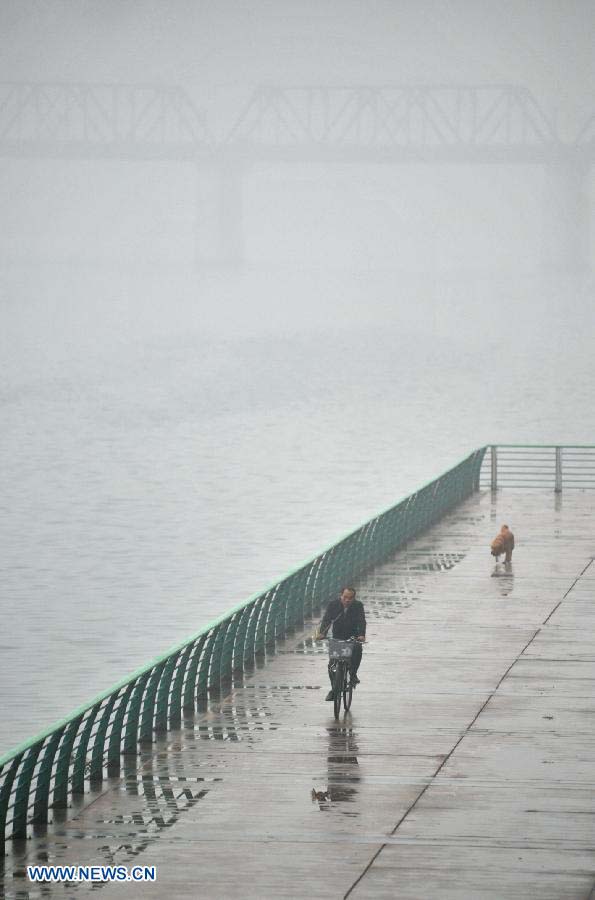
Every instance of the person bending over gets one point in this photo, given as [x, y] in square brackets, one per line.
[347, 618]
[503, 543]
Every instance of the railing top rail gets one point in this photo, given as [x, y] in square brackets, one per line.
[548, 446]
[99, 698]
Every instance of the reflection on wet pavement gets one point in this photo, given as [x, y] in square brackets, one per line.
[153, 802]
[505, 575]
[342, 770]
[267, 791]
[158, 788]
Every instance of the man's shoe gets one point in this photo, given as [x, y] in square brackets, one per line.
[329, 696]
[354, 680]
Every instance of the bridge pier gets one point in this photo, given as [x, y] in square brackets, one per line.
[231, 215]
[219, 216]
[566, 217]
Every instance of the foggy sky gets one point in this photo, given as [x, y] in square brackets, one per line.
[177, 432]
[218, 45]
[421, 218]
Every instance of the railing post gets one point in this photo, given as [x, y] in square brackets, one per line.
[494, 452]
[558, 487]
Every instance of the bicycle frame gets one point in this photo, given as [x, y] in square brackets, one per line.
[342, 687]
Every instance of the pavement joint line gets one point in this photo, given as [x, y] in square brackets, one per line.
[469, 727]
[578, 577]
[437, 772]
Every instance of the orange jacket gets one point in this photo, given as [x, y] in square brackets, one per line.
[503, 542]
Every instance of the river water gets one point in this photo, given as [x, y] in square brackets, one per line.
[172, 444]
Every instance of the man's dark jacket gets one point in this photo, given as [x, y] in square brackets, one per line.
[347, 622]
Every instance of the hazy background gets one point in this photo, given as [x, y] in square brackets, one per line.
[177, 432]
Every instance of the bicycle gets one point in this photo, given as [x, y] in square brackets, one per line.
[339, 667]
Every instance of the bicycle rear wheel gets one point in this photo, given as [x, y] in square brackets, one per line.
[338, 688]
[347, 689]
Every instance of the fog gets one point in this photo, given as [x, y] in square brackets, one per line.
[264, 268]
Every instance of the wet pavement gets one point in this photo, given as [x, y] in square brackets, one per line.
[465, 769]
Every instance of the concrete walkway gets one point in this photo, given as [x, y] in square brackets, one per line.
[465, 770]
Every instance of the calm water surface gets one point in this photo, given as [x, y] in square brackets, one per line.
[162, 461]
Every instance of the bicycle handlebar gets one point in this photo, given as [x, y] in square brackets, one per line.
[324, 637]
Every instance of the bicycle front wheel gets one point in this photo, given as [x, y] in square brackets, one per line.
[347, 689]
[338, 688]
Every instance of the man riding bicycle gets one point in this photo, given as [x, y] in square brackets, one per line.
[348, 620]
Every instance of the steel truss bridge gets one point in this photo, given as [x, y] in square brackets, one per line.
[394, 124]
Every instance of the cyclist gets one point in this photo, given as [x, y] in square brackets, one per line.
[348, 620]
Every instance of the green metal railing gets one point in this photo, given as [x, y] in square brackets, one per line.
[75, 755]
